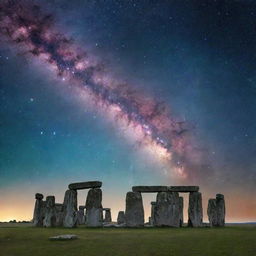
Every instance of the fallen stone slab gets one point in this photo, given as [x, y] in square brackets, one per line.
[85, 185]
[149, 189]
[63, 237]
[183, 189]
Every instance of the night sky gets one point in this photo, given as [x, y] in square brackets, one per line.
[153, 93]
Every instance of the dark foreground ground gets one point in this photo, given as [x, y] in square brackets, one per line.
[23, 240]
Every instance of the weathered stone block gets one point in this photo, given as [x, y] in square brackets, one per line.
[108, 217]
[181, 205]
[216, 211]
[152, 219]
[85, 185]
[134, 211]
[149, 189]
[120, 218]
[195, 210]
[183, 189]
[70, 209]
[94, 216]
[166, 211]
[81, 215]
[59, 214]
[50, 214]
[39, 210]
[39, 196]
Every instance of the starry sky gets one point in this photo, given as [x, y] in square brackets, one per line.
[192, 62]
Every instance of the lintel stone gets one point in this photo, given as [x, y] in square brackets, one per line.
[183, 189]
[85, 185]
[149, 189]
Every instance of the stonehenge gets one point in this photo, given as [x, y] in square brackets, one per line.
[181, 205]
[70, 209]
[152, 217]
[50, 213]
[108, 217]
[166, 210]
[59, 214]
[85, 185]
[195, 210]
[134, 211]
[121, 218]
[183, 189]
[216, 211]
[38, 215]
[149, 189]
[94, 216]
[80, 215]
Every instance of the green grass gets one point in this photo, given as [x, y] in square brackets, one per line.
[229, 241]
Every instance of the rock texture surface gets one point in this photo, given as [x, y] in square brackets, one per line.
[134, 211]
[108, 217]
[85, 185]
[38, 215]
[63, 237]
[50, 214]
[81, 215]
[70, 209]
[184, 189]
[59, 214]
[120, 218]
[152, 217]
[94, 216]
[149, 189]
[167, 210]
[181, 205]
[195, 210]
[216, 211]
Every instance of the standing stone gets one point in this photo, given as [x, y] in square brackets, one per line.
[80, 215]
[167, 209]
[120, 218]
[212, 212]
[50, 214]
[108, 217]
[94, 216]
[38, 211]
[152, 218]
[134, 211]
[216, 211]
[195, 210]
[181, 205]
[70, 209]
[59, 214]
[220, 203]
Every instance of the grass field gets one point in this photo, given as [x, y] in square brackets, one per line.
[24, 240]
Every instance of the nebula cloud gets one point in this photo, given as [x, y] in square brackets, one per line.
[155, 129]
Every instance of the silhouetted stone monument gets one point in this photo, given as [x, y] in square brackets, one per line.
[85, 185]
[120, 218]
[181, 205]
[152, 219]
[38, 210]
